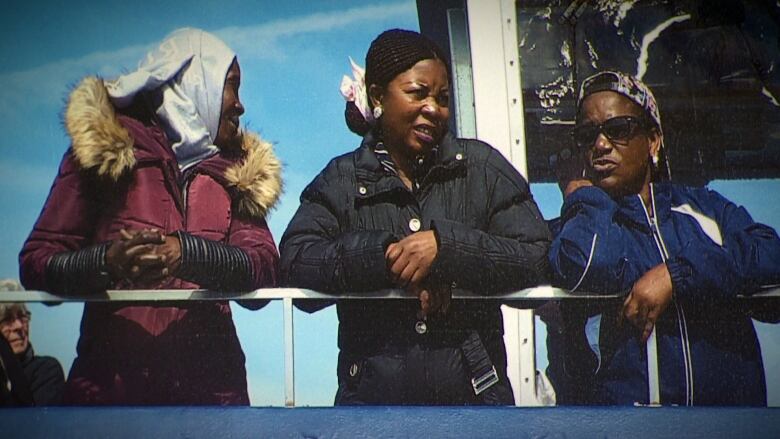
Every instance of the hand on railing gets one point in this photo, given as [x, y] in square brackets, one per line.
[433, 300]
[142, 256]
[647, 300]
[409, 260]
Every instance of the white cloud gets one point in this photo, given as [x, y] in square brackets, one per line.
[48, 83]
[261, 41]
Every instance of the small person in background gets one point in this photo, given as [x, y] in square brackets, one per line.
[43, 378]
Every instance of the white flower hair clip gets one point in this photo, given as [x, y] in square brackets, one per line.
[354, 90]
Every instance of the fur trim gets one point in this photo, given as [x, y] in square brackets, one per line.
[258, 177]
[98, 139]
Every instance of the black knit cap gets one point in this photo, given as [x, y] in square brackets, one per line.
[395, 51]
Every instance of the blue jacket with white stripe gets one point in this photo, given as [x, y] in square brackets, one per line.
[707, 346]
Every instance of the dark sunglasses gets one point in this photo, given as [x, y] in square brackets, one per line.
[617, 129]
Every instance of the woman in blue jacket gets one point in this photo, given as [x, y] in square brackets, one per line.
[679, 254]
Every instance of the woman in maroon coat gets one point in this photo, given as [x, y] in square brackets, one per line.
[159, 190]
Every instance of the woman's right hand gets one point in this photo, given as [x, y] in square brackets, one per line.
[432, 300]
[648, 299]
[409, 260]
[570, 171]
[133, 256]
[573, 185]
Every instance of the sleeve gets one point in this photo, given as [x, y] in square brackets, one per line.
[747, 256]
[588, 253]
[63, 228]
[319, 253]
[254, 237]
[511, 253]
[245, 261]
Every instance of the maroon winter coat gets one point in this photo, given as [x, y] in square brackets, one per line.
[121, 173]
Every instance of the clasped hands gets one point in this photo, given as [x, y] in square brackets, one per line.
[409, 262]
[143, 256]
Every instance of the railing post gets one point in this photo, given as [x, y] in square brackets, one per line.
[289, 354]
[653, 385]
[526, 350]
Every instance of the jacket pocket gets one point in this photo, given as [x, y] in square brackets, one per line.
[378, 379]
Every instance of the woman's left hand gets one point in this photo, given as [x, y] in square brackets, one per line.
[171, 252]
[432, 300]
[648, 299]
[163, 259]
[410, 259]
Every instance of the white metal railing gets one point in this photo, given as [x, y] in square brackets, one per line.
[287, 295]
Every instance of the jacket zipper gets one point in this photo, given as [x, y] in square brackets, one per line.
[681, 321]
[185, 191]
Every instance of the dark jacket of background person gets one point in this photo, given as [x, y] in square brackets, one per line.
[161, 353]
[491, 239]
[707, 345]
[14, 386]
[571, 361]
[45, 377]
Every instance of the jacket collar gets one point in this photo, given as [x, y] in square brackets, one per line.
[372, 179]
[26, 356]
[102, 142]
[632, 207]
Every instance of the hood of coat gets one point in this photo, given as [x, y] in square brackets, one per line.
[101, 143]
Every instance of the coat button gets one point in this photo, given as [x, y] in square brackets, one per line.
[362, 190]
[420, 327]
[353, 370]
[458, 156]
[414, 225]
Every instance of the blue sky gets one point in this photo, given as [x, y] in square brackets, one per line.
[292, 55]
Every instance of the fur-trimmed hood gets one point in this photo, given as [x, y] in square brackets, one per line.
[101, 143]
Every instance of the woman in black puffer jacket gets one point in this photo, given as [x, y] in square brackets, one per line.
[417, 209]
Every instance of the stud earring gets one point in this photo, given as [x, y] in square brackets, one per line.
[655, 160]
[377, 112]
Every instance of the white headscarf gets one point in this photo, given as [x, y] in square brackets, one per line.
[188, 71]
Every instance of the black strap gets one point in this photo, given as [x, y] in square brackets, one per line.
[483, 373]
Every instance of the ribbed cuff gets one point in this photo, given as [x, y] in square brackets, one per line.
[84, 269]
[214, 265]
[680, 272]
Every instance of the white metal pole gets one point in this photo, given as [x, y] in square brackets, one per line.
[653, 384]
[289, 354]
[499, 121]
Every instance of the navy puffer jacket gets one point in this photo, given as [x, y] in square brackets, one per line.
[490, 234]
